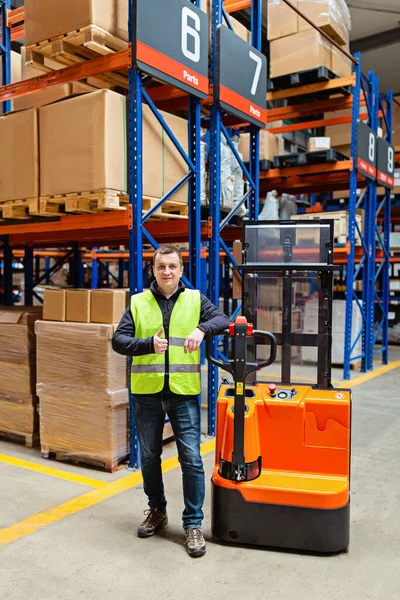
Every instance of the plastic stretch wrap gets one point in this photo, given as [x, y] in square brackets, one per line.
[79, 354]
[238, 182]
[333, 16]
[82, 386]
[270, 209]
[203, 174]
[17, 418]
[18, 370]
[226, 174]
[83, 424]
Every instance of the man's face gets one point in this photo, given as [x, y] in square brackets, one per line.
[167, 271]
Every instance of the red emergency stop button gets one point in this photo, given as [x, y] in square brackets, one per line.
[272, 389]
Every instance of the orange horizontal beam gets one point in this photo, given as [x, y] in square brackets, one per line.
[326, 168]
[234, 5]
[318, 123]
[313, 108]
[97, 66]
[17, 33]
[312, 88]
[15, 16]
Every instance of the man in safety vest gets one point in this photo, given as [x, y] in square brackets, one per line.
[162, 330]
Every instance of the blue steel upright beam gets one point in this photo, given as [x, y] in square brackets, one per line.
[350, 340]
[215, 211]
[135, 189]
[5, 51]
[386, 240]
[372, 207]
[380, 271]
[254, 166]
[252, 175]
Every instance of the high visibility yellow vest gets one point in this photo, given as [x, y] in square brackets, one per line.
[148, 371]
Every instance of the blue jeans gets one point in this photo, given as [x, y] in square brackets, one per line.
[184, 415]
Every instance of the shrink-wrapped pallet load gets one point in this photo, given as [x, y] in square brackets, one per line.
[18, 401]
[83, 394]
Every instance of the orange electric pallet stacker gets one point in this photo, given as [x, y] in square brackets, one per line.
[282, 461]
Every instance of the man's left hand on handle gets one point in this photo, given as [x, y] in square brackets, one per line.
[193, 341]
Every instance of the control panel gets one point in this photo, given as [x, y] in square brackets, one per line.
[281, 393]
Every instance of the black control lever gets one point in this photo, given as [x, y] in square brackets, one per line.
[239, 368]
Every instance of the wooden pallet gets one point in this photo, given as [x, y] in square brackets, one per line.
[17, 209]
[84, 202]
[29, 439]
[54, 206]
[167, 211]
[78, 46]
[111, 466]
[308, 158]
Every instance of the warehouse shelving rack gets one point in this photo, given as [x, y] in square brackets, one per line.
[111, 228]
[114, 229]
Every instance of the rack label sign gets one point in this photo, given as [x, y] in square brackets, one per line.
[171, 43]
[385, 163]
[366, 150]
[241, 78]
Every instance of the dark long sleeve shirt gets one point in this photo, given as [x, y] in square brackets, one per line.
[212, 322]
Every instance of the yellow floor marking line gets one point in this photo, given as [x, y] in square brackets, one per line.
[53, 515]
[371, 375]
[45, 470]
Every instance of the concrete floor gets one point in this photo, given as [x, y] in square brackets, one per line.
[95, 554]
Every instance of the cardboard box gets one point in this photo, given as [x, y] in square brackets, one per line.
[270, 293]
[319, 143]
[83, 144]
[341, 65]
[54, 305]
[238, 28]
[19, 419]
[83, 359]
[269, 145]
[19, 166]
[85, 425]
[299, 52]
[17, 329]
[107, 306]
[45, 19]
[78, 306]
[282, 20]
[340, 134]
[17, 375]
[18, 371]
[271, 320]
[332, 16]
[99, 161]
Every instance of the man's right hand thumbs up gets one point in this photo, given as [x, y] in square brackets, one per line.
[160, 344]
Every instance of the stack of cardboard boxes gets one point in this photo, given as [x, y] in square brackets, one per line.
[79, 144]
[18, 400]
[81, 382]
[295, 46]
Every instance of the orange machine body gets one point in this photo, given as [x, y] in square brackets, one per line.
[303, 441]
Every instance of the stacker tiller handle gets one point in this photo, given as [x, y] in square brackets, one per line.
[238, 367]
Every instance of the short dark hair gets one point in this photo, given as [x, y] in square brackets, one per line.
[168, 250]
